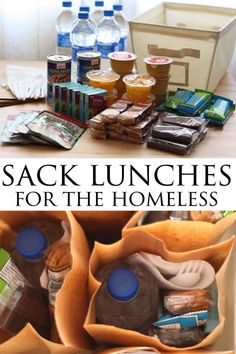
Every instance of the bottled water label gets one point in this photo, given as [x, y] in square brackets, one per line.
[122, 44]
[63, 40]
[76, 49]
[55, 283]
[106, 48]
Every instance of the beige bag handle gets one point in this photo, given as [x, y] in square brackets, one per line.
[153, 49]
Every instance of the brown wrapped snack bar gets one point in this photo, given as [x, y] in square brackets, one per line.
[175, 133]
[98, 134]
[113, 128]
[97, 122]
[115, 135]
[135, 139]
[121, 105]
[178, 302]
[188, 122]
[110, 115]
[134, 114]
[142, 127]
[170, 146]
[180, 338]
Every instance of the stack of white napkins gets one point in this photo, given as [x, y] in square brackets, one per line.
[25, 82]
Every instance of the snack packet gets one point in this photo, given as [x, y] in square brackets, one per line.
[197, 102]
[219, 110]
[57, 131]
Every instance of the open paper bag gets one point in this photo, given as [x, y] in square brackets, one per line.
[218, 256]
[28, 341]
[181, 236]
[102, 226]
[73, 299]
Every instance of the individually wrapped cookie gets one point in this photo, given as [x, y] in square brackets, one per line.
[175, 133]
[180, 338]
[178, 302]
[135, 114]
[170, 146]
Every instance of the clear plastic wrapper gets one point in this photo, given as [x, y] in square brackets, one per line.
[178, 302]
[170, 146]
[175, 133]
[97, 122]
[196, 123]
[140, 129]
[179, 338]
[135, 114]
[98, 134]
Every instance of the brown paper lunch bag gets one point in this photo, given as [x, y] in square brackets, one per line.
[181, 236]
[128, 350]
[149, 350]
[218, 255]
[102, 226]
[28, 341]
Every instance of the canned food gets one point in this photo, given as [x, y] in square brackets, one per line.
[87, 61]
[59, 70]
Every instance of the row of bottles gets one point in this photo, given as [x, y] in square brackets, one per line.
[104, 30]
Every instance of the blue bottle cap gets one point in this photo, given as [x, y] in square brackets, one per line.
[117, 7]
[84, 9]
[83, 15]
[122, 284]
[108, 13]
[31, 243]
[99, 3]
[67, 3]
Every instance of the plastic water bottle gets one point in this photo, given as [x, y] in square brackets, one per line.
[64, 23]
[28, 256]
[108, 34]
[91, 20]
[98, 12]
[128, 297]
[83, 38]
[124, 26]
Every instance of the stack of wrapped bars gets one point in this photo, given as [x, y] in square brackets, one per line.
[177, 134]
[124, 121]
